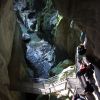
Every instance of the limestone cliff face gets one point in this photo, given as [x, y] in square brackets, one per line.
[86, 13]
[10, 51]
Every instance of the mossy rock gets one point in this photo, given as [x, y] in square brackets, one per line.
[66, 63]
[62, 65]
[57, 70]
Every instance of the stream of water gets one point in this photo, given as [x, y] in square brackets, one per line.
[39, 53]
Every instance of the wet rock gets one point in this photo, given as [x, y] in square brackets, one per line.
[26, 37]
[19, 5]
[33, 26]
[46, 21]
[54, 19]
[50, 20]
[29, 23]
[26, 7]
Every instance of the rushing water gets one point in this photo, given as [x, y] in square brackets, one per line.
[41, 57]
[39, 53]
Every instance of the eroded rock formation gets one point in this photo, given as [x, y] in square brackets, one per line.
[10, 51]
[86, 13]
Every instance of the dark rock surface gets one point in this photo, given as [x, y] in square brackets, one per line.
[86, 13]
[66, 39]
[9, 40]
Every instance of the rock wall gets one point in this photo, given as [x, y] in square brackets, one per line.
[86, 13]
[66, 39]
[7, 28]
[10, 52]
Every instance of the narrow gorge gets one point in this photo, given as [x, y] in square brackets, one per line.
[49, 50]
